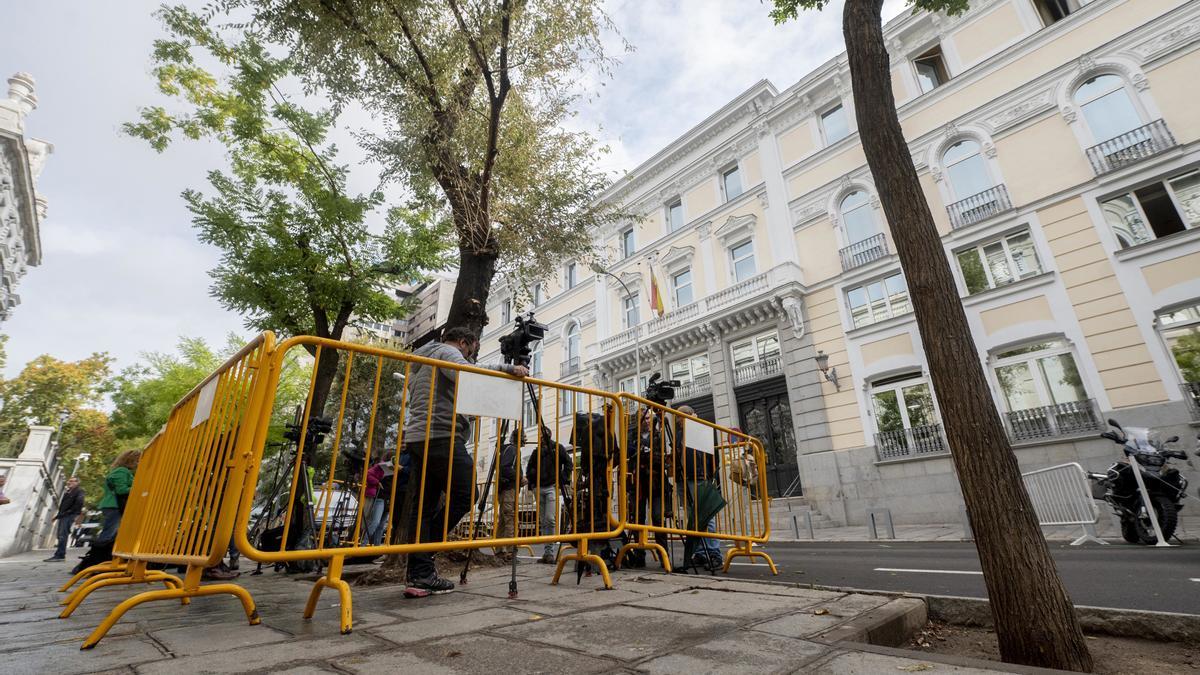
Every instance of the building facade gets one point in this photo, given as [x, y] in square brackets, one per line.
[1056, 142]
[21, 208]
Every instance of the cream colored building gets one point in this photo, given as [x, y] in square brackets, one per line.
[21, 207]
[1057, 143]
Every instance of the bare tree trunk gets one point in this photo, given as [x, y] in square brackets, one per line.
[469, 306]
[1035, 620]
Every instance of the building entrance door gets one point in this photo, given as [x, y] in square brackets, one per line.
[770, 420]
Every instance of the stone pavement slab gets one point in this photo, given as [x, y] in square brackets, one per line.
[729, 605]
[426, 629]
[866, 663]
[64, 658]
[739, 652]
[477, 654]
[262, 657]
[187, 641]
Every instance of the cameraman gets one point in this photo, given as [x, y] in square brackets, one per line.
[548, 471]
[436, 437]
[649, 449]
[694, 467]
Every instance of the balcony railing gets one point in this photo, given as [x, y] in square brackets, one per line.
[1191, 396]
[759, 370]
[569, 367]
[862, 252]
[911, 442]
[979, 207]
[1130, 147]
[1053, 421]
[697, 387]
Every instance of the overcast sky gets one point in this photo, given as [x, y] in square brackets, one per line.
[122, 271]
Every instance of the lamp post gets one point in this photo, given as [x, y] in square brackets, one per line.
[637, 347]
[81, 457]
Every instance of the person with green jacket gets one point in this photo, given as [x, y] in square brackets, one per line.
[117, 485]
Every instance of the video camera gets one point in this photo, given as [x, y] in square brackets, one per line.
[317, 428]
[514, 347]
[660, 391]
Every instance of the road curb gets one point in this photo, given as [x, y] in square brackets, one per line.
[890, 625]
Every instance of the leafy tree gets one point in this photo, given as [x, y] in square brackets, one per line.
[89, 431]
[1035, 620]
[474, 98]
[44, 388]
[297, 255]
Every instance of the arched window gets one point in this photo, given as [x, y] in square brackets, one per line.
[573, 341]
[535, 358]
[857, 218]
[966, 169]
[1107, 107]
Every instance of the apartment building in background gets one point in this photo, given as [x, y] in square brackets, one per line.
[21, 207]
[1057, 145]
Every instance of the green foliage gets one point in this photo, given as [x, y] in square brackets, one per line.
[296, 253]
[1186, 349]
[473, 102]
[786, 10]
[45, 387]
[88, 431]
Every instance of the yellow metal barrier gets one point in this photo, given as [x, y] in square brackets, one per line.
[188, 486]
[677, 464]
[451, 463]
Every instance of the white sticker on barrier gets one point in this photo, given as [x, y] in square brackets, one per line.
[698, 436]
[204, 402]
[488, 396]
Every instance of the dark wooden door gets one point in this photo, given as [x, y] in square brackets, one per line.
[770, 420]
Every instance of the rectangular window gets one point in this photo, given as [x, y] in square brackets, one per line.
[627, 245]
[538, 295]
[998, 262]
[1180, 329]
[754, 349]
[629, 306]
[731, 181]
[1052, 11]
[1040, 374]
[1154, 211]
[881, 299]
[689, 369]
[834, 126]
[742, 259]
[506, 311]
[681, 287]
[931, 70]
[674, 215]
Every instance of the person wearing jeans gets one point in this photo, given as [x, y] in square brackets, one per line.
[70, 507]
[548, 471]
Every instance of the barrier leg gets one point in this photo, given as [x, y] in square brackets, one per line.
[643, 542]
[190, 589]
[111, 566]
[745, 549]
[333, 579]
[95, 578]
[1089, 534]
[591, 558]
[120, 579]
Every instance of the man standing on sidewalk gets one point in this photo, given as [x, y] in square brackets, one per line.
[69, 509]
[436, 442]
[549, 473]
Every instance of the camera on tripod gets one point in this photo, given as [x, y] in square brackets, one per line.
[660, 391]
[515, 347]
[317, 428]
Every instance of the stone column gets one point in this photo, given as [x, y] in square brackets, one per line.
[708, 260]
[779, 227]
[31, 490]
[720, 373]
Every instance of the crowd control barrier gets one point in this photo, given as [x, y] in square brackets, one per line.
[182, 509]
[1062, 495]
[454, 466]
[691, 478]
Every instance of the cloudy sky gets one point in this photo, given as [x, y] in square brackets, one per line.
[122, 272]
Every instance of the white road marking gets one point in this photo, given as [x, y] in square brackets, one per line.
[897, 569]
[1196, 580]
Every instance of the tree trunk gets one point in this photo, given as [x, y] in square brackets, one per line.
[469, 306]
[1035, 620]
[322, 384]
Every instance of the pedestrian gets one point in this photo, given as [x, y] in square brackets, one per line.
[436, 439]
[70, 508]
[549, 473]
[373, 535]
[117, 485]
[510, 481]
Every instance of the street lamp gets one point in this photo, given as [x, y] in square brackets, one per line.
[637, 348]
[829, 373]
[81, 457]
[63, 416]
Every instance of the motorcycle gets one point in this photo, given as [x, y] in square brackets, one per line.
[1165, 486]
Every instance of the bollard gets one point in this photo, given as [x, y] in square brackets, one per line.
[874, 517]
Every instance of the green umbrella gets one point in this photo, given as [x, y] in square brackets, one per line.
[708, 503]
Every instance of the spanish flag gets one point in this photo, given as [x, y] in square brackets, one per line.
[656, 301]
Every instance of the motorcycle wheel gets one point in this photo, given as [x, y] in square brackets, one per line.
[1129, 530]
[1168, 518]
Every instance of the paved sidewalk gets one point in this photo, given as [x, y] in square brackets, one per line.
[651, 623]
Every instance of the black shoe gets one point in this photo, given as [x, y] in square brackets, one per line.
[432, 584]
[54, 559]
[547, 558]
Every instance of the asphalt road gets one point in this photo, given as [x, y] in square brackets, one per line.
[1117, 575]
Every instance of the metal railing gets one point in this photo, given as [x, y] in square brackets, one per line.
[759, 370]
[1052, 421]
[697, 387]
[569, 367]
[1191, 396]
[862, 252]
[979, 207]
[1130, 147]
[912, 442]
[1062, 495]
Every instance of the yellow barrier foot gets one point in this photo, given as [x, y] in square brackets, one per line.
[333, 579]
[111, 566]
[216, 589]
[747, 552]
